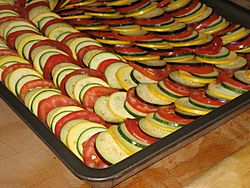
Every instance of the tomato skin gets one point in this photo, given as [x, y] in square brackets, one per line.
[163, 3]
[236, 45]
[176, 36]
[185, 10]
[4, 52]
[91, 158]
[52, 61]
[224, 31]
[94, 93]
[11, 38]
[168, 113]
[164, 18]
[134, 38]
[38, 83]
[223, 77]
[103, 65]
[53, 21]
[210, 49]
[84, 71]
[130, 8]
[36, 4]
[81, 114]
[84, 50]
[46, 105]
[138, 103]
[205, 69]
[73, 35]
[154, 74]
[200, 25]
[177, 88]
[201, 97]
[127, 49]
[53, 43]
[10, 68]
[116, 21]
[133, 128]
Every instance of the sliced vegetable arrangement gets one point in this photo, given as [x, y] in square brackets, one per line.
[109, 78]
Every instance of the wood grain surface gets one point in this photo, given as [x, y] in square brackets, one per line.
[26, 162]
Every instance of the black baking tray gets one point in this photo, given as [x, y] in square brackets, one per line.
[117, 173]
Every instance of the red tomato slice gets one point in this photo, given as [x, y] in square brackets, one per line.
[173, 52]
[56, 20]
[138, 103]
[226, 78]
[236, 45]
[224, 31]
[205, 69]
[103, 65]
[211, 48]
[133, 128]
[159, 20]
[91, 158]
[93, 93]
[46, 105]
[84, 21]
[134, 38]
[36, 4]
[200, 25]
[116, 21]
[10, 68]
[52, 61]
[4, 52]
[201, 97]
[154, 74]
[84, 50]
[177, 36]
[102, 34]
[84, 71]
[38, 83]
[168, 113]
[132, 7]
[81, 114]
[163, 3]
[185, 9]
[177, 88]
[11, 38]
[53, 43]
[104, 9]
[128, 49]
[72, 35]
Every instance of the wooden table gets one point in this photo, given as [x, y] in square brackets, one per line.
[26, 162]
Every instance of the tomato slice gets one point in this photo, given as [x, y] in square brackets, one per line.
[201, 97]
[202, 24]
[133, 128]
[36, 4]
[236, 45]
[154, 74]
[163, 3]
[46, 105]
[72, 35]
[56, 20]
[94, 93]
[81, 114]
[177, 88]
[132, 7]
[114, 22]
[52, 61]
[103, 65]
[53, 43]
[84, 50]
[168, 113]
[10, 68]
[11, 38]
[224, 31]
[205, 69]
[91, 158]
[177, 36]
[128, 49]
[226, 78]
[4, 52]
[154, 21]
[134, 38]
[185, 9]
[210, 49]
[38, 83]
[138, 103]
[84, 71]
